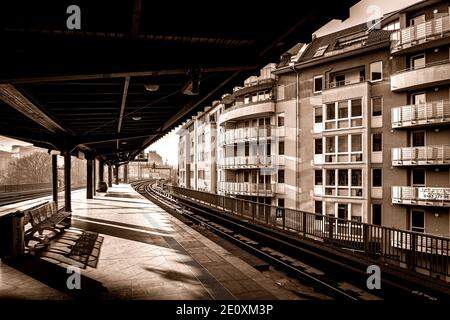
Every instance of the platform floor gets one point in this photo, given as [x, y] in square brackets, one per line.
[142, 252]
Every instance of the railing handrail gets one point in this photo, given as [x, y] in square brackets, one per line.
[333, 84]
[244, 105]
[426, 65]
[445, 238]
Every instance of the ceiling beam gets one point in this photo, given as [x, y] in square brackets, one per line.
[14, 98]
[124, 101]
[98, 76]
[103, 138]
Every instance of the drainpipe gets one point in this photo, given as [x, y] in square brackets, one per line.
[297, 132]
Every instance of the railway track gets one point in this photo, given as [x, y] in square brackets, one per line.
[251, 242]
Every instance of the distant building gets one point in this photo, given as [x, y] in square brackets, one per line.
[5, 159]
[154, 158]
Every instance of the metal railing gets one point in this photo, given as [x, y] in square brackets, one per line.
[421, 155]
[231, 136]
[24, 187]
[427, 31]
[246, 188]
[421, 114]
[415, 251]
[422, 196]
[246, 161]
[336, 84]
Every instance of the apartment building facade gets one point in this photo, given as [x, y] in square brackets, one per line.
[355, 124]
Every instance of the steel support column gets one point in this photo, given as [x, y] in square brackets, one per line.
[67, 180]
[117, 174]
[110, 175]
[55, 178]
[125, 173]
[89, 178]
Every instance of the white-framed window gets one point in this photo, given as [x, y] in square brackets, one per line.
[343, 148]
[394, 25]
[318, 177]
[377, 106]
[318, 146]
[376, 214]
[343, 114]
[343, 182]
[377, 177]
[418, 61]
[280, 120]
[318, 84]
[377, 142]
[376, 71]
[418, 220]
[418, 177]
[318, 114]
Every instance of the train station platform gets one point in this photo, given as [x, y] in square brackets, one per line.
[129, 248]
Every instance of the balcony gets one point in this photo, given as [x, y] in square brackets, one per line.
[247, 188]
[246, 162]
[430, 113]
[231, 136]
[431, 30]
[429, 155]
[344, 90]
[256, 109]
[421, 196]
[432, 74]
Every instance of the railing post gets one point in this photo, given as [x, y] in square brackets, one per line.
[330, 228]
[412, 261]
[303, 223]
[366, 238]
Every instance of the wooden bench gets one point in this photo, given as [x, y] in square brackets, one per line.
[43, 217]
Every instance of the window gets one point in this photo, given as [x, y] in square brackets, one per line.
[318, 207]
[318, 146]
[417, 221]
[280, 176]
[418, 138]
[343, 177]
[349, 114]
[281, 203]
[377, 177]
[418, 177]
[394, 25]
[331, 111]
[376, 71]
[318, 177]
[281, 147]
[318, 82]
[281, 120]
[376, 214]
[337, 149]
[318, 115]
[342, 210]
[320, 51]
[377, 142]
[418, 61]
[419, 98]
[344, 186]
[356, 177]
[377, 106]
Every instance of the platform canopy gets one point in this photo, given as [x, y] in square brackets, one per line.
[116, 76]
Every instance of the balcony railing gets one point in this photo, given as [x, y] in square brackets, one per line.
[429, 155]
[428, 31]
[336, 84]
[231, 136]
[429, 113]
[421, 196]
[431, 74]
[245, 162]
[244, 110]
[247, 188]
